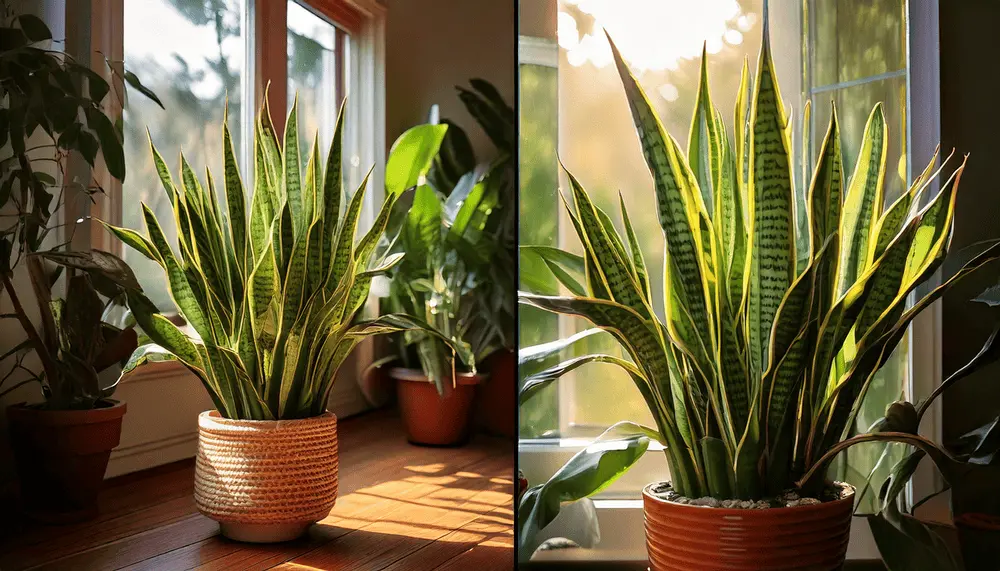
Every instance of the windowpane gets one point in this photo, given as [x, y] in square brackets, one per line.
[314, 73]
[853, 40]
[192, 55]
[538, 223]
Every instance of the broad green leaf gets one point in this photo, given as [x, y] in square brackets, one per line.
[588, 472]
[422, 230]
[411, 156]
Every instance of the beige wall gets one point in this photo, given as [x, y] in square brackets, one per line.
[433, 45]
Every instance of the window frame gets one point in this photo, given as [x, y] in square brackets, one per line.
[619, 507]
[101, 32]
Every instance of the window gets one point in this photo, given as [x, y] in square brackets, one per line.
[194, 61]
[571, 102]
[197, 56]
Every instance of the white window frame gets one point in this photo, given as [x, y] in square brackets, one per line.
[619, 507]
[155, 434]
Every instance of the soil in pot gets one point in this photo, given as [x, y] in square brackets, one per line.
[497, 406]
[432, 419]
[784, 533]
[266, 481]
[61, 457]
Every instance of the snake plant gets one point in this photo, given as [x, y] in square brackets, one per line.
[269, 290]
[755, 373]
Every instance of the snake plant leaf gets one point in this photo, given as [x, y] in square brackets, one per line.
[729, 225]
[568, 268]
[135, 240]
[292, 169]
[637, 260]
[343, 253]
[589, 471]
[771, 203]
[411, 156]
[676, 191]
[863, 200]
[532, 359]
[705, 140]
[895, 216]
[537, 381]
[396, 322]
[741, 127]
[270, 325]
[333, 190]
[934, 232]
[235, 194]
[180, 289]
[148, 353]
[614, 271]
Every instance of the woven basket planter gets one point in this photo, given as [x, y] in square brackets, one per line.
[266, 481]
[694, 538]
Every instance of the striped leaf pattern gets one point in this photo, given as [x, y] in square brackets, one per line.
[270, 291]
[766, 348]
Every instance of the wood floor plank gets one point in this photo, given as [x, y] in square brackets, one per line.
[397, 502]
[139, 547]
[360, 507]
[489, 527]
[409, 525]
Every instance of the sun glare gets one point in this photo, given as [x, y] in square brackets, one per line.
[668, 31]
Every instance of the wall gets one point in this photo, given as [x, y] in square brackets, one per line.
[969, 120]
[433, 45]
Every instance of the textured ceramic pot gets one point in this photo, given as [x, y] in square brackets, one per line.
[695, 538]
[266, 481]
[61, 457]
[430, 418]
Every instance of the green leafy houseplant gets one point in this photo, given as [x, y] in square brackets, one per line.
[55, 110]
[756, 371]
[270, 289]
[968, 467]
[457, 237]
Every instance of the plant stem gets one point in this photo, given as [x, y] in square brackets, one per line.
[43, 353]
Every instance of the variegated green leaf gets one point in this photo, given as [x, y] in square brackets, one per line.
[772, 235]
[863, 201]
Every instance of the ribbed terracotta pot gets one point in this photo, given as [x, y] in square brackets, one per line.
[266, 481]
[433, 419]
[696, 538]
[61, 457]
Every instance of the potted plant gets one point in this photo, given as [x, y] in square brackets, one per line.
[495, 296]
[756, 370]
[55, 109]
[969, 467]
[269, 292]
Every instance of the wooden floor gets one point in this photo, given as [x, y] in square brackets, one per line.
[401, 508]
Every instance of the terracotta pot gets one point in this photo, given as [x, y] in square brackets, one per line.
[695, 538]
[430, 418]
[497, 407]
[266, 481]
[61, 457]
